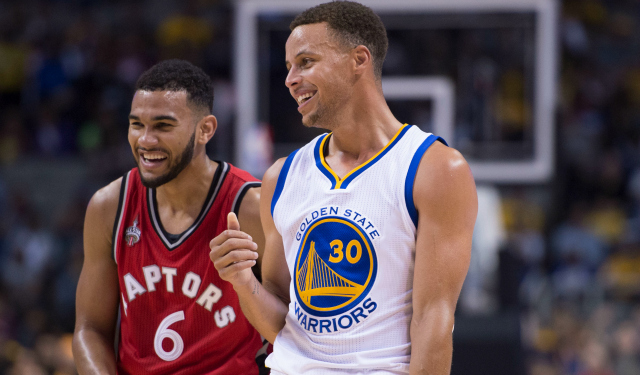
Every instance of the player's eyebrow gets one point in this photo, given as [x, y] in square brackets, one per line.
[165, 117]
[157, 118]
[303, 52]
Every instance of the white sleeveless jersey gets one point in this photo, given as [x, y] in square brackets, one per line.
[350, 248]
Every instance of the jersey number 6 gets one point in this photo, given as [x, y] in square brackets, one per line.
[164, 332]
[222, 318]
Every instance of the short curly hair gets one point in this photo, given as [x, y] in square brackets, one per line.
[179, 75]
[353, 23]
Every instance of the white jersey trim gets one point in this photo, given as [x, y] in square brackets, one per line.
[194, 226]
[122, 203]
[237, 201]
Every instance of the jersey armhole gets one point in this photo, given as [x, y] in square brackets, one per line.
[237, 201]
[282, 177]
[124, 188]
[411, 175]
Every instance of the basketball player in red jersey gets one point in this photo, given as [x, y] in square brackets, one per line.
[146, 239]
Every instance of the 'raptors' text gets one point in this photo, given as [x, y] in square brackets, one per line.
[191, 283]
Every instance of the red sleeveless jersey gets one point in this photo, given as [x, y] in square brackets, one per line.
[177, 316]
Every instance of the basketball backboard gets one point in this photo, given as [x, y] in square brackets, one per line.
[479, 73]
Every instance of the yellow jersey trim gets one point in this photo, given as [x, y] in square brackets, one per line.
[339, 180]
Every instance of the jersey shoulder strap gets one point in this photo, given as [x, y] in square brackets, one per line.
[130, 182]
[236, 185]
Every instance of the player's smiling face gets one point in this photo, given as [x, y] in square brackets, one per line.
[161, 135]
[320, 77]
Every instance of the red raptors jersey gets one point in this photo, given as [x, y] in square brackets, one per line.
[177, 316]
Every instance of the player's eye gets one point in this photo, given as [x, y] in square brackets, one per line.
[163, 126]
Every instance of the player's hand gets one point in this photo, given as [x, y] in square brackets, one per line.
[233, 253]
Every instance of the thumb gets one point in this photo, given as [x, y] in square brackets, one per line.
[232, 221]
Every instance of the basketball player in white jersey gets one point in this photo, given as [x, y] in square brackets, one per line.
[368, 228]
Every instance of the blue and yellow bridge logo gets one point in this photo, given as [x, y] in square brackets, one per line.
[335, 267]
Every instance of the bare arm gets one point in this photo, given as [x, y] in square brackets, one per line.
[233, 253]
[97, 293]
[445, 196]
[249, 218]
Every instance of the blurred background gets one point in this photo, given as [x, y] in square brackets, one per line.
[554, 283]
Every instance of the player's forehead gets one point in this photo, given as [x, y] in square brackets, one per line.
[155, 103]
[314, 37]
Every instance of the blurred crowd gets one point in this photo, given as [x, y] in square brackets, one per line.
[67, 69]
[574, 247]
[570, 259]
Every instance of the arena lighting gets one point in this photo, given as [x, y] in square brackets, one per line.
[537, 169]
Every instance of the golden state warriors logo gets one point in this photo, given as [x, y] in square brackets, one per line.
[335, 268]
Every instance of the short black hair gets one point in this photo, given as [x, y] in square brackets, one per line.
[352, 22]
[179, 75]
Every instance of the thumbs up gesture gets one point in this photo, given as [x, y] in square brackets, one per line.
[233, 253]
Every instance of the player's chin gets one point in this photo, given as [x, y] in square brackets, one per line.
[310, 120]
[149, 176]
[151, 180]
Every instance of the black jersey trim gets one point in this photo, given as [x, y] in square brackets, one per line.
[169, 240]
[235, 207]
[124, 189]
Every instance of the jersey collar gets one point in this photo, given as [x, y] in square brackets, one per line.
[343, 183]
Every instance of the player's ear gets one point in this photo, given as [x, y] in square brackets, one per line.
[208, 126]
[362, 59]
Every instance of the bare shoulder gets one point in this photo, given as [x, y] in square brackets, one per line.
[249, 212]
[107, 196]
[270, 177]
[444, 179]
[269, 183]
[105, 200]
[249, 207]
[101, 214]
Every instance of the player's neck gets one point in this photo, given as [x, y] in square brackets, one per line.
[365, 126]
[188, 191]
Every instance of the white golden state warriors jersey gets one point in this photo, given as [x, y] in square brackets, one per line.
[350, 247]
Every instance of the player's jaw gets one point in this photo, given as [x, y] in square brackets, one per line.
[156, 167]
[308, 100]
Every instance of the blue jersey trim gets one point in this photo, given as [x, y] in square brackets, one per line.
[363, 168]
[336, 182]
[282, 177]
[411, 175]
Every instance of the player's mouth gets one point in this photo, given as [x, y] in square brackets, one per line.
[152, 160]
[305, 98]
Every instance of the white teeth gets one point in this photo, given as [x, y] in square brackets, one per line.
[153, 157]
[302, 97]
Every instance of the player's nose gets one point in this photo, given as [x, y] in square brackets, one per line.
[147, 138]
[293, 78]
